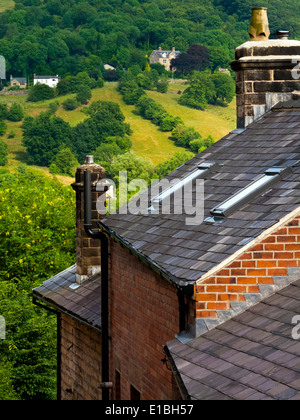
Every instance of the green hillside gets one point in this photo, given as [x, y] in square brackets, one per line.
[65, 37]
[147, 139]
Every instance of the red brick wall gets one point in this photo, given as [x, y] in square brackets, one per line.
[143, 317]
[257, 266]
[80, 361]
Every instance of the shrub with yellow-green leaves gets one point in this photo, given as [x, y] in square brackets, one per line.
[37, 240]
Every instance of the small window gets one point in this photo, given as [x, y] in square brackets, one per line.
[228, 206]
[118, 385]
[134, 394]
[201, 170]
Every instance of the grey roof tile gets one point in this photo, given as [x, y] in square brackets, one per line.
[248, 354]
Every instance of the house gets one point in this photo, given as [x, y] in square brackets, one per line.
[159, 307]
[109, 67]
[163, 57]
[18, 81]
[50, 81]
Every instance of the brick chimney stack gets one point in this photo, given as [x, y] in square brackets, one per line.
[88, 252]
[266, 73]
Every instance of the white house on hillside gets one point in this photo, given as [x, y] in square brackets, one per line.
[46, 80]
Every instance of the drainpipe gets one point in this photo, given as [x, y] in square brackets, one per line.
[95, 234]
[182, 308]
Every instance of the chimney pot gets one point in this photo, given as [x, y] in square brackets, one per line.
[259, 24]
[283, 35]
[89, 159]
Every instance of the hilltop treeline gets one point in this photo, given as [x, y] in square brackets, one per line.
[68, 36]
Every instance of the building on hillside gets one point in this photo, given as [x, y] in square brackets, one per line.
[159, 307]
[50, 81]
[18, 81]
[163, 57]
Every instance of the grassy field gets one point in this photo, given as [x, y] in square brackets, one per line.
[6, 4]
[216, 120]
[147, 139]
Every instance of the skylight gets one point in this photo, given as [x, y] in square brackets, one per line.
[201, 170]
[228, 206]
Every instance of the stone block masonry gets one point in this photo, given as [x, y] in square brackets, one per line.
[264, 77]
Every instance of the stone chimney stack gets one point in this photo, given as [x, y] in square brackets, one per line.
[88, 251]
[266, 70]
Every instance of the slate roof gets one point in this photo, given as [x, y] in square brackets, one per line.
[166, 53]
[21, 80]
[250, 357]
[63, 294]
[185, 253]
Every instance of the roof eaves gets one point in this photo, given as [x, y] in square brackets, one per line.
[186, 286]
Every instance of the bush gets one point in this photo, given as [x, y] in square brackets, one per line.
[65, 162]
[15, 113]
[84, 94]
[70, 104]
[162, 86]
[40, 92]
[3, 153]
[3, 128]
[184, 135]
[3, 111]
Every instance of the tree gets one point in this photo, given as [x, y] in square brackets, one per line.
[3, 128]
[42, 247]
[70, 104]
[136, 167]
[44, 136]
[224, 87]
[194, 96]
[3, 153]
[65, 162]
[164, 168]
[40, 92]
[196, 58]
[15, 113]
[3, 112]
[84, 94]
[105, 120]
[184, 135]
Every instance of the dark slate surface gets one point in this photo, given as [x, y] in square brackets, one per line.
[187, 252]
[251, 357]
[82, 302]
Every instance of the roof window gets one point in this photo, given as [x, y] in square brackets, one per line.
[270, 177]
[200, 172]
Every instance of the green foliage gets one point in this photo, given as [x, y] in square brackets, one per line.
[44, 136]
[184, 135]
[70, 104]
[105, 120]
[40, 92]
[3, 152]
[164, 168]
[37, 240]
[68, 37]
[84, 94]
[65, 162]
[136, 166]
[3, 128]
[3, 111]
[15, 113]
[224, 87]
[206, 88]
